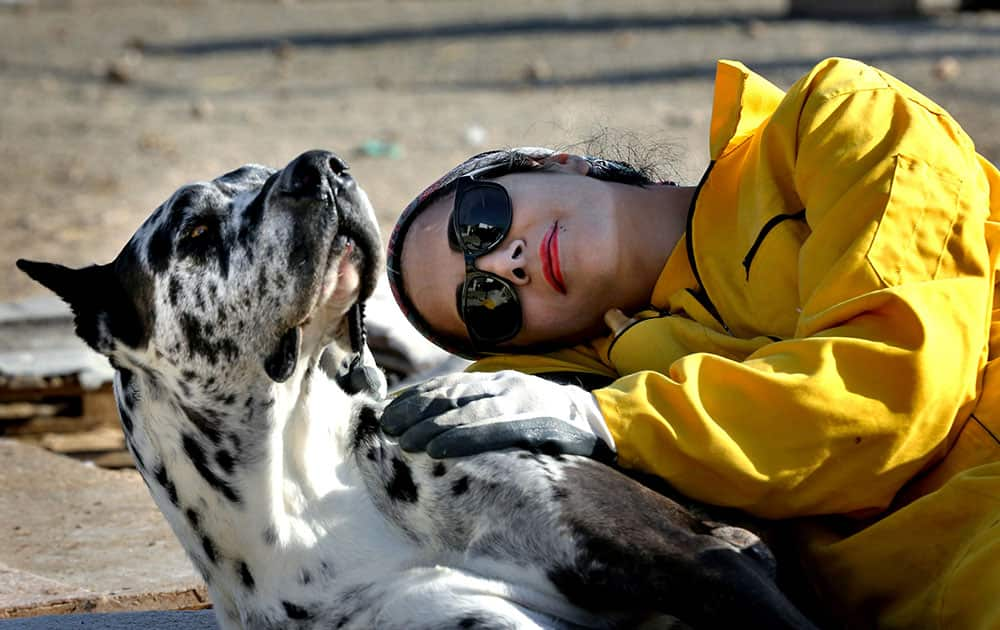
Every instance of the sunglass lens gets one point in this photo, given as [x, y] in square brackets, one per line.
[490, 308]
[482, 218]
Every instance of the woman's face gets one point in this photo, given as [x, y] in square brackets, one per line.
[563, 254]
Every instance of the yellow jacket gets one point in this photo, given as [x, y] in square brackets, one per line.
[820, 337]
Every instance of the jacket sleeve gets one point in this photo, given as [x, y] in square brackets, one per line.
[895, 295]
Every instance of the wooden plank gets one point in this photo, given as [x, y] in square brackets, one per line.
[114, 460]
[15, 389]
[99, 405]
[97, 440]
[23, 410]
[55, 424]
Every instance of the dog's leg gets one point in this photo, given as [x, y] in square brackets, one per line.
[637, 549]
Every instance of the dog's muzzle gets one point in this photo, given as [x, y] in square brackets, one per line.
[317, 175]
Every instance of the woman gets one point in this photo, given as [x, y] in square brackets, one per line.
[808, 333]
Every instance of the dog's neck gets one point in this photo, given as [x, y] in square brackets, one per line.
[246, 478]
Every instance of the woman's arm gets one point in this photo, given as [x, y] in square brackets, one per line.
[894, 295]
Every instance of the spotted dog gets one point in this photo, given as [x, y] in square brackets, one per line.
[293, 506]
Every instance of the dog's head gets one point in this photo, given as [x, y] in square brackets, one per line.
[233, 274]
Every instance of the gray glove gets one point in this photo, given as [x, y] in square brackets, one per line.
[468, 413]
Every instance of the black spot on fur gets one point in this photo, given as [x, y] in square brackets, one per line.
[200, 342]
[262, 284]
[460, 486]
[127, 381]
[366, 428]
[270, 536]
[194, 519]
[439, 469]
[205, 421]
[305, 577]
[161, 243]
[468, 622]
[254, 214]
[245, 576]
[173, 290]
[163, 479]
[209, 548]
[196, 454]
[295, 612]
[401, 486]
[225, 461]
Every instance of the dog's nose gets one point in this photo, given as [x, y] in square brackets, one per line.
[311, 172]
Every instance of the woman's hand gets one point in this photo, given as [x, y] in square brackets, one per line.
[618, 321]
[468, 413]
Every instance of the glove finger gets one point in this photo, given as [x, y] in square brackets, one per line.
[416, 438]
[545, 434]
[402, 414]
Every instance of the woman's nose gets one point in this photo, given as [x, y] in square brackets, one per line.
[507, 261]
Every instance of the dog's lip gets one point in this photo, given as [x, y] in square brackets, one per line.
[340, 254]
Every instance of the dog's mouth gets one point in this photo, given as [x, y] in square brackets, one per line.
[352, 260]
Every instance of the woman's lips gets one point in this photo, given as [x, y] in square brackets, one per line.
[548, 251]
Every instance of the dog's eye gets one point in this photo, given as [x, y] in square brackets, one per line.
[197, 231]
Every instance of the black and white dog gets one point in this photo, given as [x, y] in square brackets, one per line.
[295, 508]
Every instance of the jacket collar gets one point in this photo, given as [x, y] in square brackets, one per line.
[743, 100]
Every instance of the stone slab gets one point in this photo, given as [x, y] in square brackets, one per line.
[79, 538]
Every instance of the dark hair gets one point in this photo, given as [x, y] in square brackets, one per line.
[489, 164]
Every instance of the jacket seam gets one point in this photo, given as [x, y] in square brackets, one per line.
[771, 223]
[983, 426]
[622, 332]
[701, 294]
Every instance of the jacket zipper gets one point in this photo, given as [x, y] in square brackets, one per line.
[772, 223]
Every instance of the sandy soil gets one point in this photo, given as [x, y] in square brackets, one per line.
[107, 106]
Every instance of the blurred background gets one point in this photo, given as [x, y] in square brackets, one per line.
[107, 106]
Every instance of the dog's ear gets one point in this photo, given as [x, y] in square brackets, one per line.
[280, 364]
[102, 311]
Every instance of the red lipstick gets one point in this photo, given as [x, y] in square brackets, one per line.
[548, 252]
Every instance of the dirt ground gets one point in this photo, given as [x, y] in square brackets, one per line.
[107, 106]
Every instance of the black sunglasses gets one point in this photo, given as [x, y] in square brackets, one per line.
[487, 303]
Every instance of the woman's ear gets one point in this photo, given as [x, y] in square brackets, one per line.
[567, 163]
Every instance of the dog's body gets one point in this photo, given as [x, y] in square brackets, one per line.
[295, 508]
